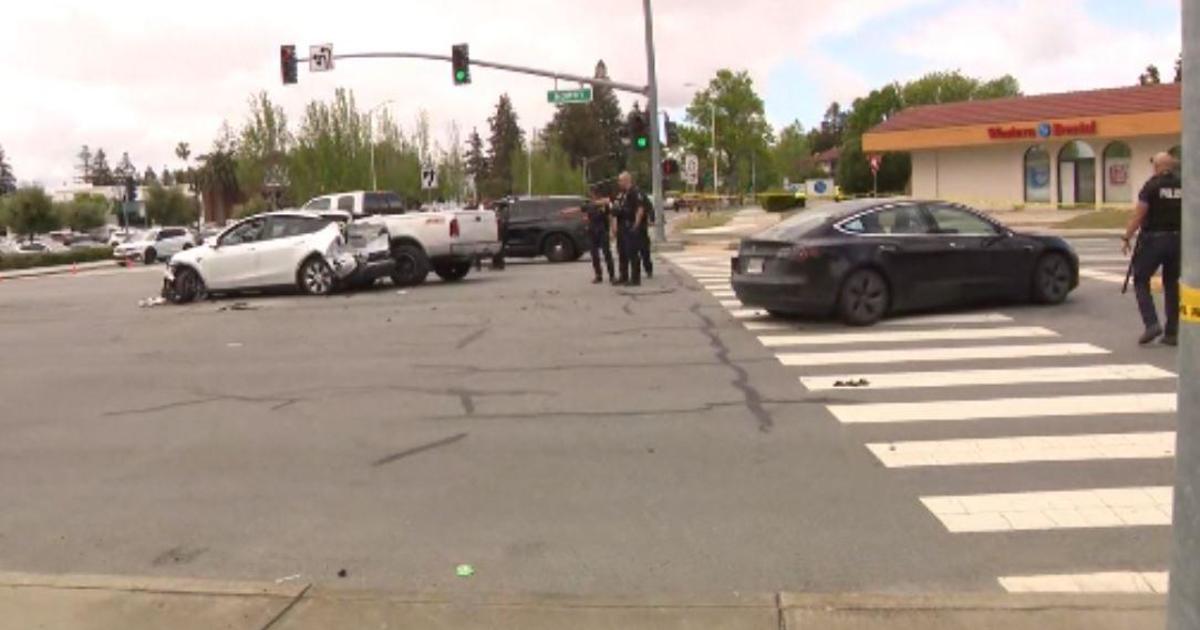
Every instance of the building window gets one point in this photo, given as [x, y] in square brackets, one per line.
[1177, 153]
[1117, 159]
[1077, 174]
[1037, 175]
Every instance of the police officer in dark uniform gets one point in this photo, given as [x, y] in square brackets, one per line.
[644, 236]
[1157, 223]
[599, 216]
[629, 214]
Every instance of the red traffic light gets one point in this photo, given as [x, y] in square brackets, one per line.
[670, 166]
[287, 64]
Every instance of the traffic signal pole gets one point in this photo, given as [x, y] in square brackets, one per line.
[1183, 606]
[656, 176]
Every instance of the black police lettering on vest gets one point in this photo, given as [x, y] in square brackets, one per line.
[1163, 194]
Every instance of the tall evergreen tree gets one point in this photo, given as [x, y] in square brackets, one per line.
[506, 140]
[149, 177]
[84, 166]
[125, 167]
[167, 178]
[102, 173]
[476, 161]
[8, 182]
[607, 111]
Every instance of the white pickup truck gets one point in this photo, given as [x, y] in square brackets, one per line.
[447, 242]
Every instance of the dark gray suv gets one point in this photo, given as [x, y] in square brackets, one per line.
[554, 227]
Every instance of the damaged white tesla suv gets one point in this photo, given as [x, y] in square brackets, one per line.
[272, 250]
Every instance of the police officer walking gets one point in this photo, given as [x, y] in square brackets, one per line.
[1157, 222]
[599, 217]
[628, 217]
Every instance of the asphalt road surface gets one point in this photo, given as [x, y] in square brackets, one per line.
[565, 437]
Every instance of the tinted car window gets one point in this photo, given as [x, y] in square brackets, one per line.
[346, 203]
[801, 225]
[248, 232]
[383, 203]
[318, 204]
[955, 220]
[896, 220]
[287, 227]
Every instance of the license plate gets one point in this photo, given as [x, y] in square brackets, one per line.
[755, 265]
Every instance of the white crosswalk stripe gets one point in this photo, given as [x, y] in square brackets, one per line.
[1105, 582]
[912, 320]
[893, 336]
[998, 408]
[1061, 509]
[1019, 376]
[917, 355]
[1016, 450]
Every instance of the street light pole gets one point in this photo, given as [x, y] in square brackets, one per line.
[656, 179]
[1183, 600]
[712, 110]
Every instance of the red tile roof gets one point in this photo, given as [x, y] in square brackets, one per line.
[828, 155]
[1128, 100]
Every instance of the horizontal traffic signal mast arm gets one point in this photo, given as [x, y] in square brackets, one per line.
[616, 85]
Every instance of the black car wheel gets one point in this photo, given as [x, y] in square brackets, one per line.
[452, 272]
[150, 256]
[558, 248]
[316, 278]
[864, 298]
[412, 266]
[187, 287]
[1051, 279]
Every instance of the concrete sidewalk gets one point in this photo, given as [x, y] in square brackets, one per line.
[57, 269]
[96, 602]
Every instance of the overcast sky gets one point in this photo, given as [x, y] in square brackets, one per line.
[137, 76]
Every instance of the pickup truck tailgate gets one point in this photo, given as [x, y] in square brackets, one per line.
[476, 226]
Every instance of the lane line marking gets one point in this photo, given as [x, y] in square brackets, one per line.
[1014, 376]
[1103, 276]
[1020, 450]
[1003, 408]
[918, 355]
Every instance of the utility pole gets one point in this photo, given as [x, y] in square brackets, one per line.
[1183, 604]
[529, 161]
[371, 123]
[660, 227]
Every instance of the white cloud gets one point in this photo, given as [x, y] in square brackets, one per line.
[1057, 50]
[139, 76]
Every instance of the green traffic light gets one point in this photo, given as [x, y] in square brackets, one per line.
[461, 75]
[642, 142]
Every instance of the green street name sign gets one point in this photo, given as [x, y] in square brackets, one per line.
[557, 97]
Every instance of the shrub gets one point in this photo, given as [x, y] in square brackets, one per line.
[780, 201]
[49, 259]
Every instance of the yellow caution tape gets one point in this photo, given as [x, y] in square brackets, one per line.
[1189, 304]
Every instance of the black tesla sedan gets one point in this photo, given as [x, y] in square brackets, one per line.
[865, 259]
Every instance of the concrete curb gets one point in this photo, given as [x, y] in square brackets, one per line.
[135, 584]
[56, 269]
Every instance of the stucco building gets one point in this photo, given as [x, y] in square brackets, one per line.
[1075, 149]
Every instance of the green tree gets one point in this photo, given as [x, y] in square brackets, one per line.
[30, 212]
[854, 173]
[263, 142]
[167, 178]
[332, 148]
[606, 109]
[792, 154]
[8, 181]
[743, 133]
[149, 177]
[828, 134]
[1150, 76]
[169, 206]
[397, 161]
[476, 161]
[84, 213]
[84, 166]
[125, 168]
[102, 173]
[506, 141]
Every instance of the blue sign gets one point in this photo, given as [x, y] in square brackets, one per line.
[1044, 130]
[820, 187]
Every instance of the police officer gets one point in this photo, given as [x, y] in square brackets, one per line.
[1157, 222]
[599, 216]
[644, 235]
[629, 214]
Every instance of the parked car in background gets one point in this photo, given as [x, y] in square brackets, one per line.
[288, 248]
[863, 260]
[447, 242]
[154, 245]
[554, 227]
